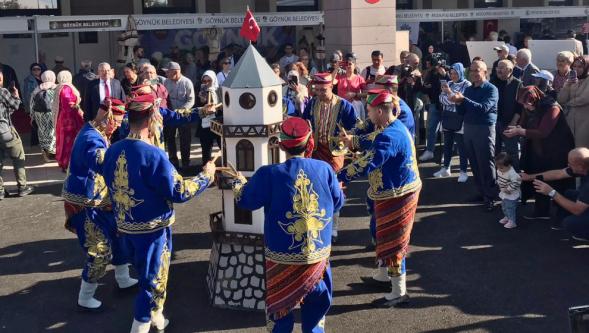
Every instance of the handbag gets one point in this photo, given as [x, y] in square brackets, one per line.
[452, 121]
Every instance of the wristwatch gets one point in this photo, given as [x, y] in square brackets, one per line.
[551, 194]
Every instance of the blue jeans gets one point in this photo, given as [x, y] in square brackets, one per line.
[509, 208]
[577, 226]
[434, 119]
[449, 139]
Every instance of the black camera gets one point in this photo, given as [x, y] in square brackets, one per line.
[439, 59]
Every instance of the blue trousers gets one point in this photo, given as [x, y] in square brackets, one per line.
[509, 145]
[577, 226]
[449, 139]
[314, 307]
[151, 259]
[434, 119]
[97, 234]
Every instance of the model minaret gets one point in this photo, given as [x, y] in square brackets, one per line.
[252, 113]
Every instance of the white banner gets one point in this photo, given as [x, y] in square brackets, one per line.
[173, 21]
[14, 25]
[544, 51]
[436, 15]
[485, 51]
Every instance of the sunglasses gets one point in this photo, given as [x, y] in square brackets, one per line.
[36, 69]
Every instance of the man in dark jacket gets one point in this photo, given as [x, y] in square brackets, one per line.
[84, 77]
[508, 110]
[98, 90]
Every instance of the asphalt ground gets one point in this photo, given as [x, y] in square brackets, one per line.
[466, 273]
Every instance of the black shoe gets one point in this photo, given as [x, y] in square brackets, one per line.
[24, 191]
[369, 280]
[489, 206]
[475, 199]
[556, 226]
[394, 303]
[536, 217]
[90, 310]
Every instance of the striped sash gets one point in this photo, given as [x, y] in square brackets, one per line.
[287, 285]
[394, 221]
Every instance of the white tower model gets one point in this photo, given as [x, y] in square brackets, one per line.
[252, 113]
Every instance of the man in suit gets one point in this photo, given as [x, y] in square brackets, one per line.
[523, 60]
[98, 90]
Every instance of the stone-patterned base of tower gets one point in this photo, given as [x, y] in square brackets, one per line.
[236, 269]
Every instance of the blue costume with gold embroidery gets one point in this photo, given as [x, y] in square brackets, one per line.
[88, 206]
[299, 198]
[143, 184]
[389, 160]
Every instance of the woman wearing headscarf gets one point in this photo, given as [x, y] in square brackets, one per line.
[574, 97]
[31, 83]
[208, 95]
[547, 142]
[41, 109]
[452, 123]
[69, 119]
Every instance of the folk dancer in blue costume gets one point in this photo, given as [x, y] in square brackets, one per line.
[87, 206]
[300, 197]
[388, 158]
[328, 113]
[142, 185]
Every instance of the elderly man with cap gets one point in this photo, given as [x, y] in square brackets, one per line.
[389, 160]
[502, 54]
[300, 198]
[181, 96]
[87, 206]
[328, 114]
[508, 112]
[59, 66]
[142, 185]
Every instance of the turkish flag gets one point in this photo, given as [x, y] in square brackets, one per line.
[249, 29]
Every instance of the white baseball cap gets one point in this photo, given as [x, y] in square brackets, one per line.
[544, 74]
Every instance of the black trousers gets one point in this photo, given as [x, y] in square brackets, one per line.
[207, 140]
[185, 140]
[479, 144]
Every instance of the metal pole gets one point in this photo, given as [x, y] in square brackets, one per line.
[442, 32]
[36, 38]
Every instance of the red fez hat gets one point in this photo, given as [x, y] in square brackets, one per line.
[141, 103]
[378, 96]
[118, 106]
[322, 78]
[387, 80]
[296, 132]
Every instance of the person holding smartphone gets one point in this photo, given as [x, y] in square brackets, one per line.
[574, 97]
[297, 93]
[452, 123]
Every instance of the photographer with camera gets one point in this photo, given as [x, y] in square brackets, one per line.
[433, 88]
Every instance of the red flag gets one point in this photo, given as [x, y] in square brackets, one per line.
[249, 29]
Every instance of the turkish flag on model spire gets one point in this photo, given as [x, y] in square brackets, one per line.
[249, 29]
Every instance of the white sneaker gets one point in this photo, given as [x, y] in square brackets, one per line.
[463, 177]
[504, 220]
[443, 173]
[510, 224]
[426, 156]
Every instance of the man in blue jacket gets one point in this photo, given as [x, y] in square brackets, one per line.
[478, 104]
